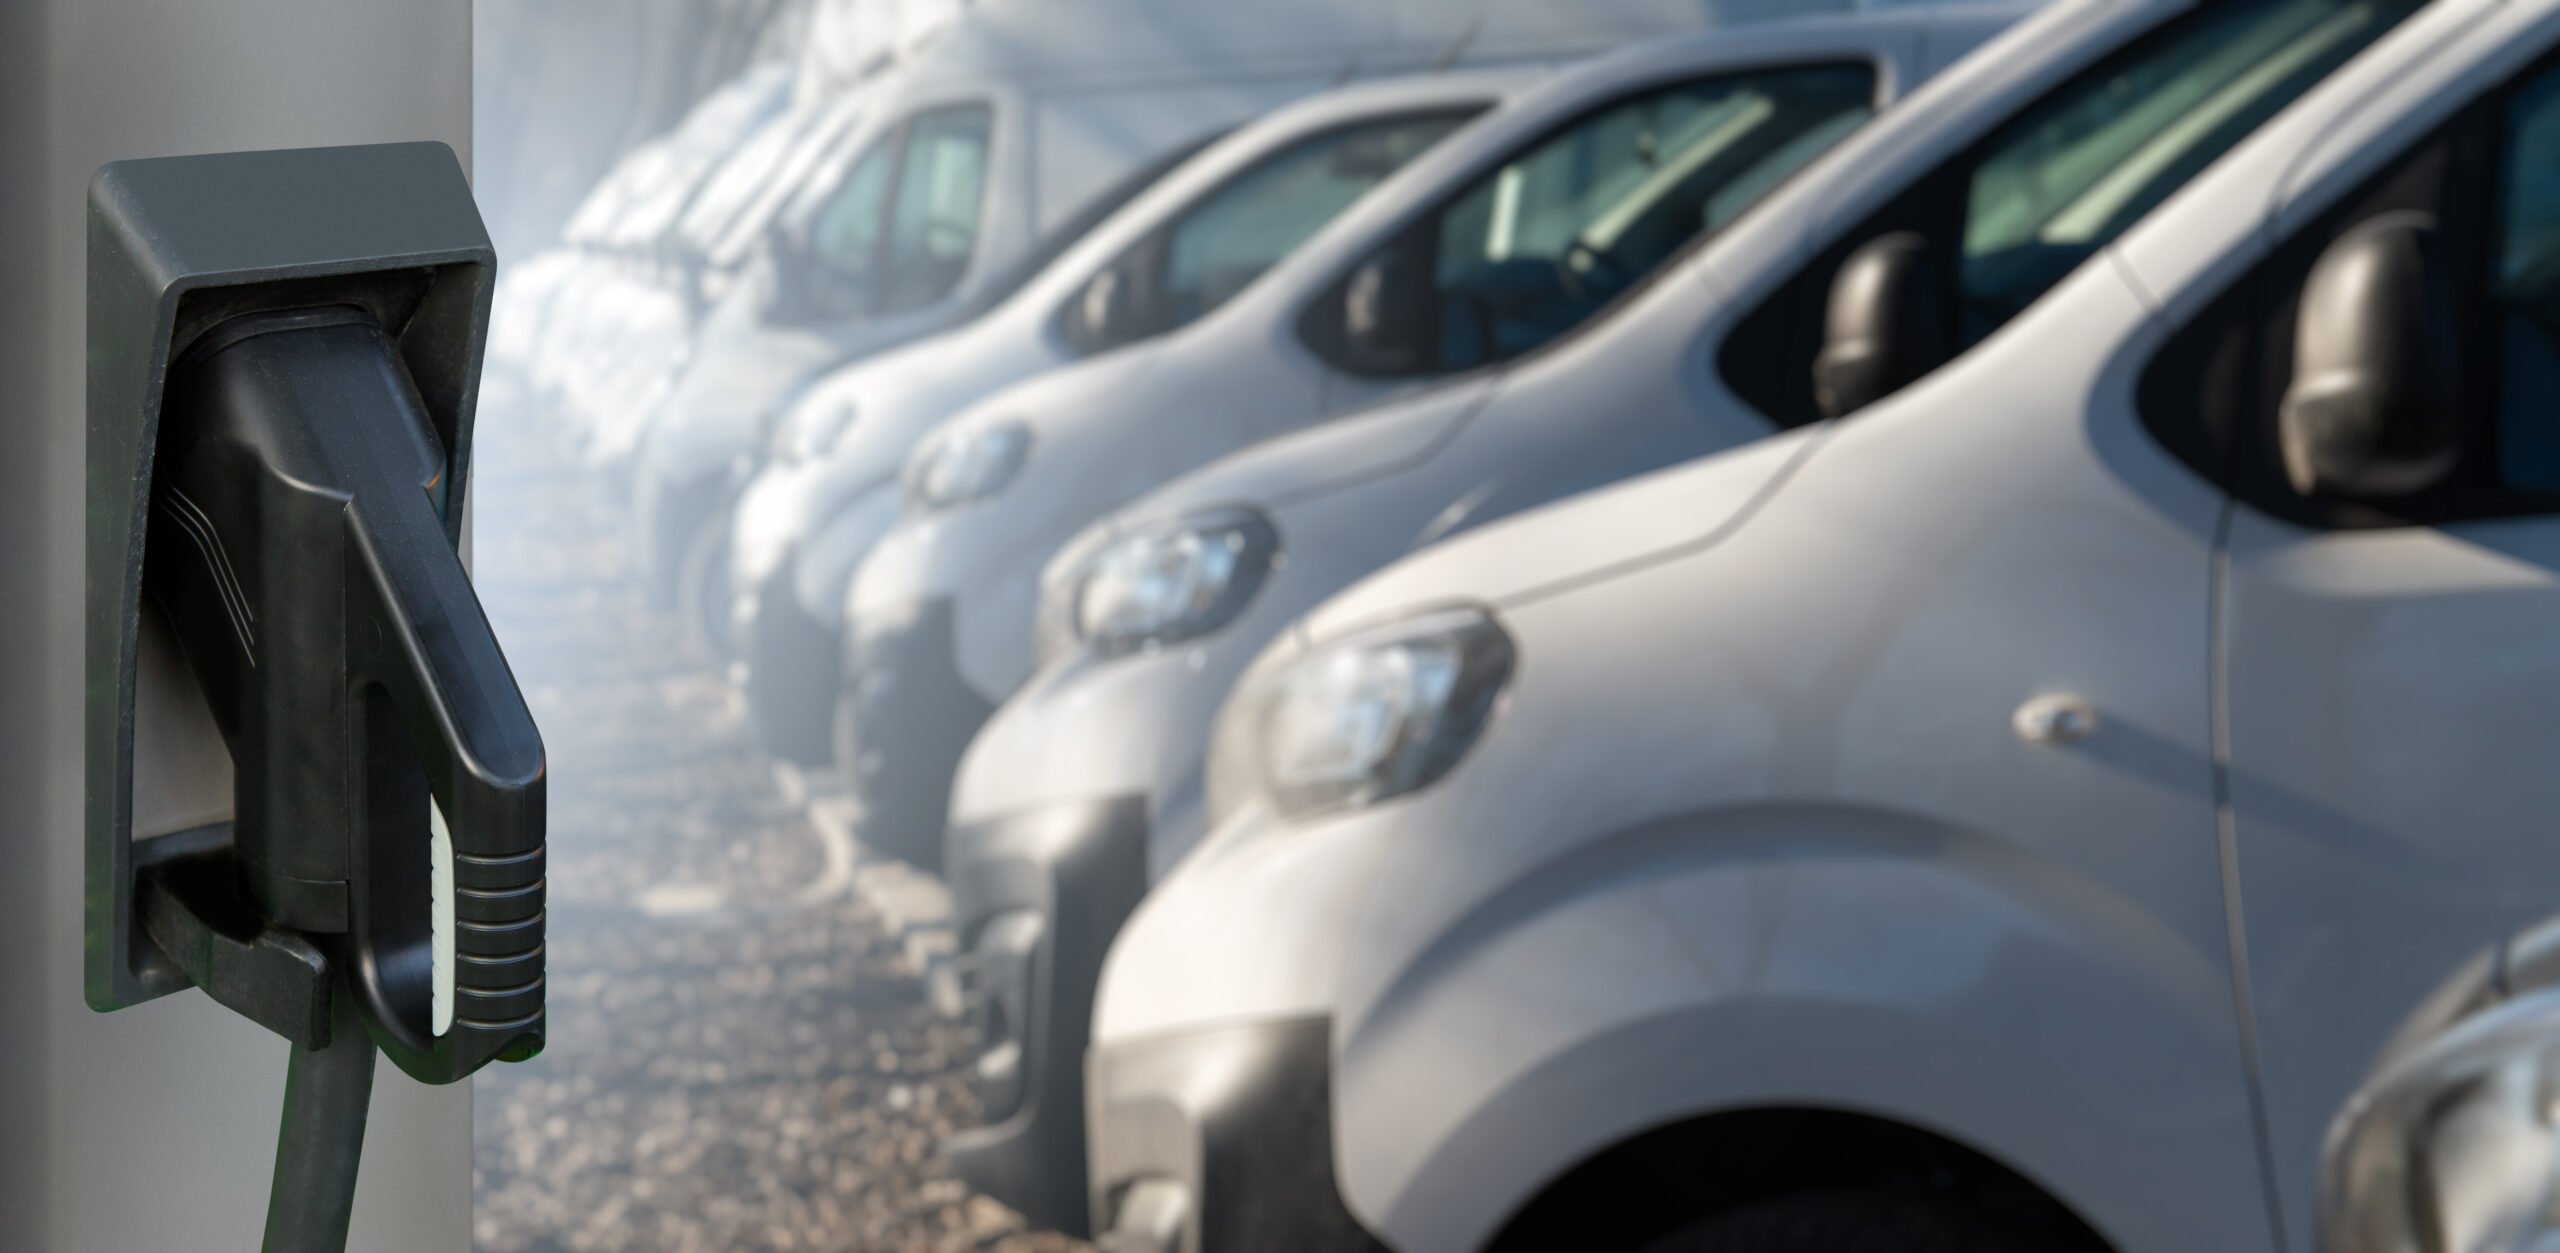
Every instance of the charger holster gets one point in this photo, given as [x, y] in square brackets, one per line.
[308, 764]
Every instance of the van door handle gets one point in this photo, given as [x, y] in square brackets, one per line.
[2054, 718]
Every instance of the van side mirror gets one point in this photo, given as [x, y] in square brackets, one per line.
[1104, 313]
[1382, 320]
[2370, 409]
[1881, 328]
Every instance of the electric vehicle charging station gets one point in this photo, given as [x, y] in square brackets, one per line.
[283, 354]
[155, 1127]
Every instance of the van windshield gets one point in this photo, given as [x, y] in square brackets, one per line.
[1560, 230]
[933, 215]
[2064, 179]
[844, 236]
[1261, 216]
[901, 228]
[1235, 232]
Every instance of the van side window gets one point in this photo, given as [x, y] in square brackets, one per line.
[1564, 227]
[2006, 221]
[2483, 195]
[2527, 290]
[1096, 210]
[1227, 238]
[1258, 219]
[898, 232]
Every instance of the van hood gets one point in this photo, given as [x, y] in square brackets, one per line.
[899, 396]
[1359, 447]
[1542, 552]
[1100, 435]
[729, 396]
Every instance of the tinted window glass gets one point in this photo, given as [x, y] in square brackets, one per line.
[2064, 179]
[1228, 237]
[2003, 222]
[844, 236]
[1246, 227]
[1562, 229]
[933, 218]
[2485, 185]
[2526, 289]
[1091, 214]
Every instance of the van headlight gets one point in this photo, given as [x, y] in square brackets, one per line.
[961, 466]
[2451, 1147]
[1357, 721]
[1163, 586]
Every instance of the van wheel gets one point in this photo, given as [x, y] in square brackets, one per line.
[1861, 1220]
[702, 593]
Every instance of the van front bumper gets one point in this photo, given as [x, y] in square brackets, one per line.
[908, 718]
[794, 667]
[1219, 1140]
[1039, 896]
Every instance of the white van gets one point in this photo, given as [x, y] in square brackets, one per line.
[1515, 232]
[996, 127]
[2024, 807]
[2450, 1144]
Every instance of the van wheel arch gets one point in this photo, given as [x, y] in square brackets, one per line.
[701, 591]
[1660, 1181]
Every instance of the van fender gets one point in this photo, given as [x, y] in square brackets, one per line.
[1802, 956]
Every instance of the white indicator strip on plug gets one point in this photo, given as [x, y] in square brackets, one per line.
[440, 917]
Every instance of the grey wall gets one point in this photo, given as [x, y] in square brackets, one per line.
[23, 767]
[153, 1128]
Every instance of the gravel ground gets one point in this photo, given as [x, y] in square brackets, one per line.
[742, 1056]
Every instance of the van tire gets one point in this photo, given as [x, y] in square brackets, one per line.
[702, 593]
[1849, 1220]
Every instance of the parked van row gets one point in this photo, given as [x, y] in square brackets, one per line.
[912, 182]
[1504, 237]
[1183, 247]
[1920, 627]
[2020, 805]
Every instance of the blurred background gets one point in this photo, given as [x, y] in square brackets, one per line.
[564, 88]
[747, 1055]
